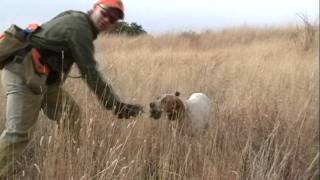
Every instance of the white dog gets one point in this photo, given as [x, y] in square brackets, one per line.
[193, 112]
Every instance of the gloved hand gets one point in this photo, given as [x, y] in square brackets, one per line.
[124, 110]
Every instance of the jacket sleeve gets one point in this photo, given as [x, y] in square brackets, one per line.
[82, 50]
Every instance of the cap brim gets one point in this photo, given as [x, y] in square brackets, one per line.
[118, 8]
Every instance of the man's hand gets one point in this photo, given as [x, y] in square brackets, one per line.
[124, 110]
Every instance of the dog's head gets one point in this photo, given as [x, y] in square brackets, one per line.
[171, 104]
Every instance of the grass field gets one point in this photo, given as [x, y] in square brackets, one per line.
[265, 87]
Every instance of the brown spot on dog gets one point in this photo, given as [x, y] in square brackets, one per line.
[171, 104]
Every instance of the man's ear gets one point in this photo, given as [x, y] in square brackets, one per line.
[177, 93]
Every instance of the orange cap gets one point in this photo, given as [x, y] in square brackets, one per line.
[112, 3]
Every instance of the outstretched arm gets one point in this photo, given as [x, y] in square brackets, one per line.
[83, 53]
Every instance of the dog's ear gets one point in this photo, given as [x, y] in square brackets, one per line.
[177, 93]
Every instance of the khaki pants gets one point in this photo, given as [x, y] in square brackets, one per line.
[27, 93]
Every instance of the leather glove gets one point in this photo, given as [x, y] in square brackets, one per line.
[124, 110]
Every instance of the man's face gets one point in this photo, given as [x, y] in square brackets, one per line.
[103, 19]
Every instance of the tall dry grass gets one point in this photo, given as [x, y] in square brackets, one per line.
[265, 126]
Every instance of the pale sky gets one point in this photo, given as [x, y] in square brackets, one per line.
[171, 15]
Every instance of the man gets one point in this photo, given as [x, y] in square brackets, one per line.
[33, 79]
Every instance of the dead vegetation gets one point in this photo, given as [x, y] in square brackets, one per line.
[266, 87]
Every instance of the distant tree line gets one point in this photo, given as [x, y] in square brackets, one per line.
[132, 29]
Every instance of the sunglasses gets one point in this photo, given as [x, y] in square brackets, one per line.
[113, 18]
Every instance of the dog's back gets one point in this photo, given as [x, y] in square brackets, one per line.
[199, 107]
